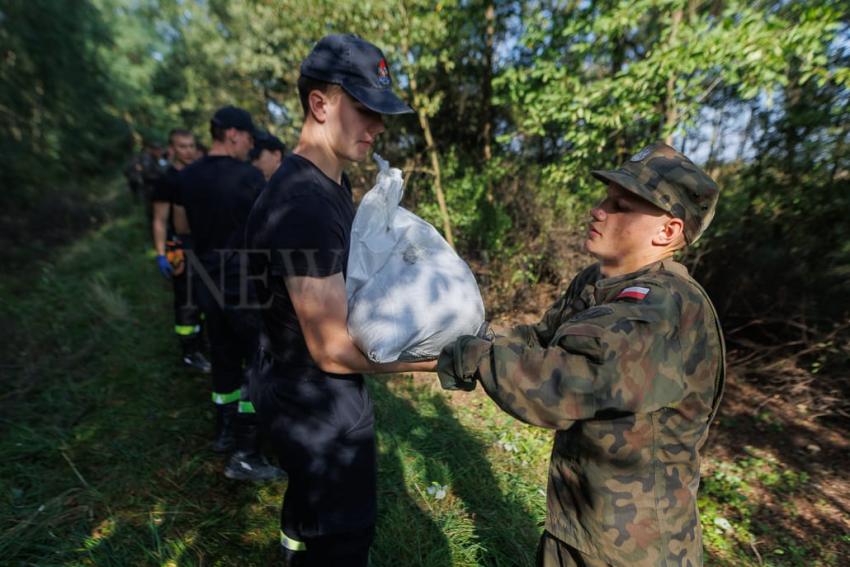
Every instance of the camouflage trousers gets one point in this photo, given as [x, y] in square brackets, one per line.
[552, 552]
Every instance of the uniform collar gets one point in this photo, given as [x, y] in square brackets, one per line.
[606, 286]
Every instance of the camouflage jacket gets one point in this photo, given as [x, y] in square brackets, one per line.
[629, 371]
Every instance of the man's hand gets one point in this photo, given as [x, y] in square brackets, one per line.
[457, 366]
[164, 266]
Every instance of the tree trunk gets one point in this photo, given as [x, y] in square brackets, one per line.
[840, 145]
[425, 123]
[618, 55]
[670, 115]
[791, 136]
[435, 167]
[487, 92]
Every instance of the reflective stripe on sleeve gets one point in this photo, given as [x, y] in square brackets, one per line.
[291, 544]
[227, 398]
[246, 407]
[186, 330]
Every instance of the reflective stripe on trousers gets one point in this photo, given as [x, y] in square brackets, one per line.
[291, 544]
[187, 330]
[225, 398]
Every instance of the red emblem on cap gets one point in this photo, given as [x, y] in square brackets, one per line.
[383, 73]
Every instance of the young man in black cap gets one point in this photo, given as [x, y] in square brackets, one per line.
[267, 154]
[187, 316]
[214, 197]
[307, 383]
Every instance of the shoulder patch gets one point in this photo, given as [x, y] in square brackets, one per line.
[634, 292]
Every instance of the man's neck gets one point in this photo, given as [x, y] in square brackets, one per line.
[621, 267]
[220, 149]
[313, 146]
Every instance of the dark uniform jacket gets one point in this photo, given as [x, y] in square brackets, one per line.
[629, 370]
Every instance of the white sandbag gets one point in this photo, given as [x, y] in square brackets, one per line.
[409, 294]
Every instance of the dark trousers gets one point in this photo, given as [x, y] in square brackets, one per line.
[187, 315]
[322, 429]
[234, 337]
[344, 550]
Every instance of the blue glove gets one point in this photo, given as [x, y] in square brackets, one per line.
[164, 266]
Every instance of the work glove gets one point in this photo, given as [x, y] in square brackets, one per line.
[458, 363]
[164, 266]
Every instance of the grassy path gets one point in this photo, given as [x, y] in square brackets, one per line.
[105, 440]
[104, 443]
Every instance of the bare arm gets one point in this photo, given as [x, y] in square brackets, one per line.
[322, 311]
[159, 226]
[181, 221]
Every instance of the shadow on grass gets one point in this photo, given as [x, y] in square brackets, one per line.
[788, 501]
[497, 528]
[104, 438]
[105, 441]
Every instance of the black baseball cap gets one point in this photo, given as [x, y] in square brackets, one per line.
[359, 68]
[266, 141]
[234, 117]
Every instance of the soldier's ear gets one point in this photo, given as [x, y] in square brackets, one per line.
[670, 233]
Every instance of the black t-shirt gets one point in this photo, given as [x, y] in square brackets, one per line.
[166, 186]
[164, 191]
[217, 193]
[299, 226]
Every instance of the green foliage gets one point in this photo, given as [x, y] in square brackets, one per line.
[599, 80]
[523, 99]
[732, 509]
[783, 212]
[55, 98]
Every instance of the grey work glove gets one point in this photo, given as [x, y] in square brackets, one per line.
[458, 363]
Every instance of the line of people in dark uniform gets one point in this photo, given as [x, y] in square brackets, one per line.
[213, 339]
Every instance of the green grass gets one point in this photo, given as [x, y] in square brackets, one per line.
[106, 438]
[105, 443]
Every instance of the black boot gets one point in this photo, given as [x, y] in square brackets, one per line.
[248, 462]
[252, 466]
[225, 423]
[193, 358]
[197, 361]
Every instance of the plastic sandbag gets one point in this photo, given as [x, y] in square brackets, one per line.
[409, 294]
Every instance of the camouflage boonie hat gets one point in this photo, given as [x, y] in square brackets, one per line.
[670, 181]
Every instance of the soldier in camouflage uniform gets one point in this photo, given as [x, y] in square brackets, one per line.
[627, 367]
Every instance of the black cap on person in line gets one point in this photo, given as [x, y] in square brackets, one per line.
[234, 117]
[266, 141]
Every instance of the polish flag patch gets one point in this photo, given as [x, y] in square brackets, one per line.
[635, 292]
